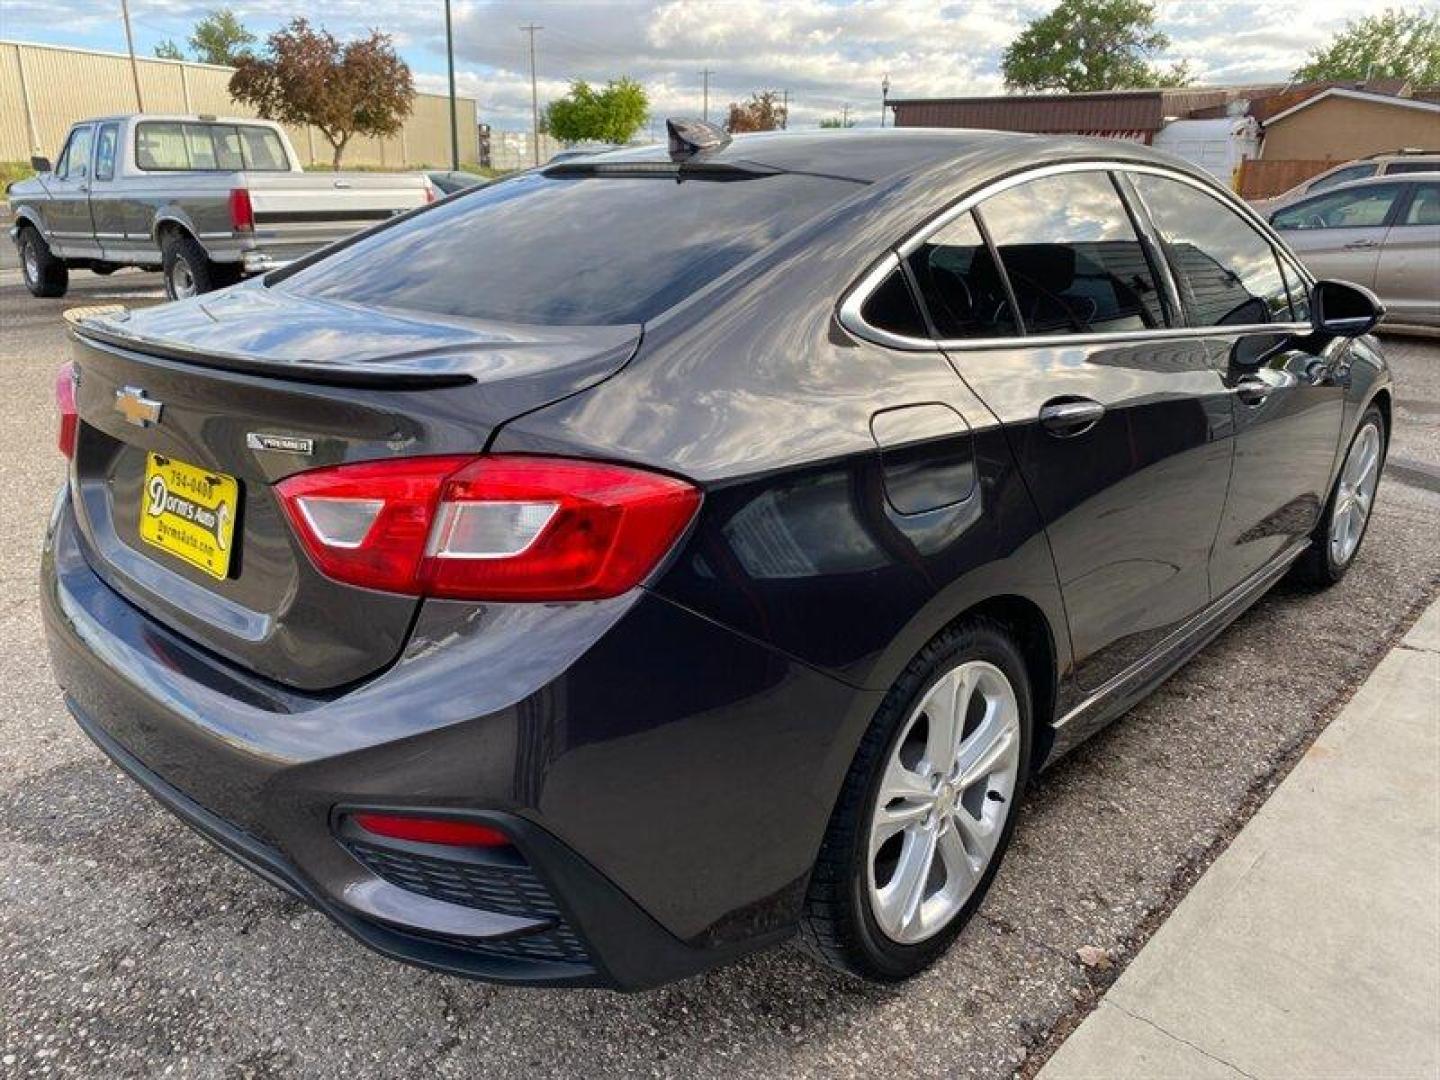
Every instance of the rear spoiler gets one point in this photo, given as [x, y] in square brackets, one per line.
[413, 372]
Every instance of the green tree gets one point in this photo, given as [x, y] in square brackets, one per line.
[611, 115]
[309, 77]
[763, 112]
[837, 122]
[220, 38]
[168, 50]
[1090, 45]
[1394, 43]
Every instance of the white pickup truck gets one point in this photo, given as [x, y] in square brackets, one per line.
[202, 198]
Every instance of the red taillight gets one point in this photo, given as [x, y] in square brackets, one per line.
[65, 403]
[488, 528]
[430, 193]
[242, 214]
[424, 830]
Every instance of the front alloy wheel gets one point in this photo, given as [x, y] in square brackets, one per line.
[1338, 534]
[1355, 494]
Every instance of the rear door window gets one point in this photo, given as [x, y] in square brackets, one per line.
[892, 307]
[1073, 258]
[572, 248]
[1354, 208]
[1424, 208]
[1228, 273]
[961, 285]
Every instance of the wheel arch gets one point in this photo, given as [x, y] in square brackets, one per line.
[167, 223]
[1026, 622]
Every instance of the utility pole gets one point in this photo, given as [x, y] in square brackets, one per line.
[705, 94]
[454, 123]
[530, 29]
[845, 115]
[785, 100]
[884, 97]
[130, 45]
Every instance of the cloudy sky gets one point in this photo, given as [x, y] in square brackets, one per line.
[827, 53]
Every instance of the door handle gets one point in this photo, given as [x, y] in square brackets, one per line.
[1253, 390]
[1356, 245]
[1072, 416]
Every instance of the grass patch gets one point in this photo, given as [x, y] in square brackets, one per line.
[10, 171]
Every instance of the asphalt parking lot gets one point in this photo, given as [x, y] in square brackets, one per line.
[128, 946]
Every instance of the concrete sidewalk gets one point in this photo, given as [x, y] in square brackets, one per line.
[1311, 948]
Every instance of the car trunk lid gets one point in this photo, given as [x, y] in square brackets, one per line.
[257, 386]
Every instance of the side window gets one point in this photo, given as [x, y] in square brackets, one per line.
[160, 145]
[1074, 260]
[75, 162]
[1424, 206]
[105, 152]
[1353, 208]
[1342, 176]
[892, 307]
[960, 284]
[1227, 272]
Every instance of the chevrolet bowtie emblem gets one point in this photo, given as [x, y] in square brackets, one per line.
[134, 406]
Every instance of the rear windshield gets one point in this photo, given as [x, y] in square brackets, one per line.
[569, 250]
[164, 145]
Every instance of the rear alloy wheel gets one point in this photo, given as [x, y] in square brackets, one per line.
[1342, 526]
[944, 799]
[927, 810]
[44, 274]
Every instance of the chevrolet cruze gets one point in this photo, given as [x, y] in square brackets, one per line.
[601, 574]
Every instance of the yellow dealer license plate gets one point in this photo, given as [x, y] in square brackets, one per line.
[189, 512]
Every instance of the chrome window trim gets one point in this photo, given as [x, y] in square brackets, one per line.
[854, 300]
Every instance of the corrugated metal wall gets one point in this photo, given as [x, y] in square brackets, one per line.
[43, 90]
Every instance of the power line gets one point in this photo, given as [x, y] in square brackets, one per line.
[531, 28]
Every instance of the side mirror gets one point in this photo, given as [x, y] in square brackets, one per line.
[40, 164]
[1341, 309]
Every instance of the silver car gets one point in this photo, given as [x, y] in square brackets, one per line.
[1382, 233]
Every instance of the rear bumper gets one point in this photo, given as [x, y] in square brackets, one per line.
[654, 833]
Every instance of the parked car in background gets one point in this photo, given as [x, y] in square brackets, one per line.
[574, 153]
[1382, 233]
[207, 200]
[449, 181]
[1393, 163]
[650, 558]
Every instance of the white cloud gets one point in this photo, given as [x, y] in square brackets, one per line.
[826, 53]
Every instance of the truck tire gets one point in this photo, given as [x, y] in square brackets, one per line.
[188, 270]
[44, 274]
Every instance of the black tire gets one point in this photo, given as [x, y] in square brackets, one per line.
[104, 269]
[1319, 566]
[181, 256]
[45, 275]
[837, 925]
